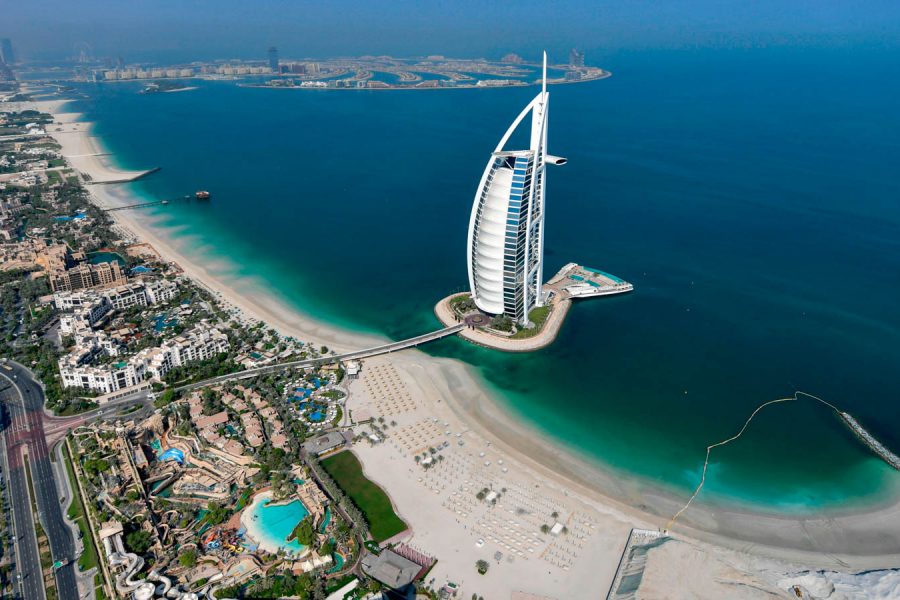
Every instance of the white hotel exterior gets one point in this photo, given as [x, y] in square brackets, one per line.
[505, 251]
[201, 343]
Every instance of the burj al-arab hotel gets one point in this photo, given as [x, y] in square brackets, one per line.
[506, 229]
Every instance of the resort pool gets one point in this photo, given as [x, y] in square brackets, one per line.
[271, 524]
[163, 322]
[102, 256]
[605, 274]
[325, 520]
[338, 562]
[317, 416]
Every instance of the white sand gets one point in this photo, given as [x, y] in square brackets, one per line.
[537, 467]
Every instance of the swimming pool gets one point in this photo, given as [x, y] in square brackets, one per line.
[273, 523]
[605, 274]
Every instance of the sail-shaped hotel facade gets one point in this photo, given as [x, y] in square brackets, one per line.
[506, 228]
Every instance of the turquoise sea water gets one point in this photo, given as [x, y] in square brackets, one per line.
[750, 195]
[277, 521]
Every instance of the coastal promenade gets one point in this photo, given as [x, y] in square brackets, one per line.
[315, 362]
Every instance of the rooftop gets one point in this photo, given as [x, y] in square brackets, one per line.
[325, 442]
[390, 568]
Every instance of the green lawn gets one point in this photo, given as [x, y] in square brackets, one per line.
[347, 472]
[538, 316]
[88, 558]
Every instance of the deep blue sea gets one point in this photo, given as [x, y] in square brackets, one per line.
[750, 195]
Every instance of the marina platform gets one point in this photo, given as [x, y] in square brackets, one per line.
[576, 281]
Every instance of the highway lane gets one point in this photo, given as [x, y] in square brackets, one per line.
[27, 426]
[27, 572]
[29, 582]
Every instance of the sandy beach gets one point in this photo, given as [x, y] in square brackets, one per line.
[537, 475]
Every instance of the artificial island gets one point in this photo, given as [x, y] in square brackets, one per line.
[346, 73]
[509, 306]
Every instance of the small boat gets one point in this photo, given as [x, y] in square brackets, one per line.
[202, 195]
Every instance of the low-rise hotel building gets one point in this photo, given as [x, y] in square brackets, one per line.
[201, 343]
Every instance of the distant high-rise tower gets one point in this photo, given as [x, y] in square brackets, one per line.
[273, 59]
[506, 228]
[576, 58]
[7, 55]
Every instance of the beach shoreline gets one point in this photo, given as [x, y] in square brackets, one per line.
[863, 537]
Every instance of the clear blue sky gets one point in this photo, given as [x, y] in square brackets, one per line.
[202, 29]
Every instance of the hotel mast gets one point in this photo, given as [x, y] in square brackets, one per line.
[506, 229]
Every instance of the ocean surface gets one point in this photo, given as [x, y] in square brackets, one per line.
[750, 195]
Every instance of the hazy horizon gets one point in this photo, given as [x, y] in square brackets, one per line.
[207, 29]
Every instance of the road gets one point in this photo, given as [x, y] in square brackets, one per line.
[23, 399]
[28, 580]
[56, 428]
[314, 362]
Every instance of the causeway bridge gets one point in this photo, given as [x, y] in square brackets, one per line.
[315, 362]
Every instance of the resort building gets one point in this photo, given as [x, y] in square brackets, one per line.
[83, 311]
[395, 571]
[201, 343]
[506, 230]
[86, 309]
[86, 276]
[161, 290]
[103, 378]
[327, 442]
[127, 296]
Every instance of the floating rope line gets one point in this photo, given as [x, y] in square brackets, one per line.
[709, 448]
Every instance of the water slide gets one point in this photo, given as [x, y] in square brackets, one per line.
[125, 584]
